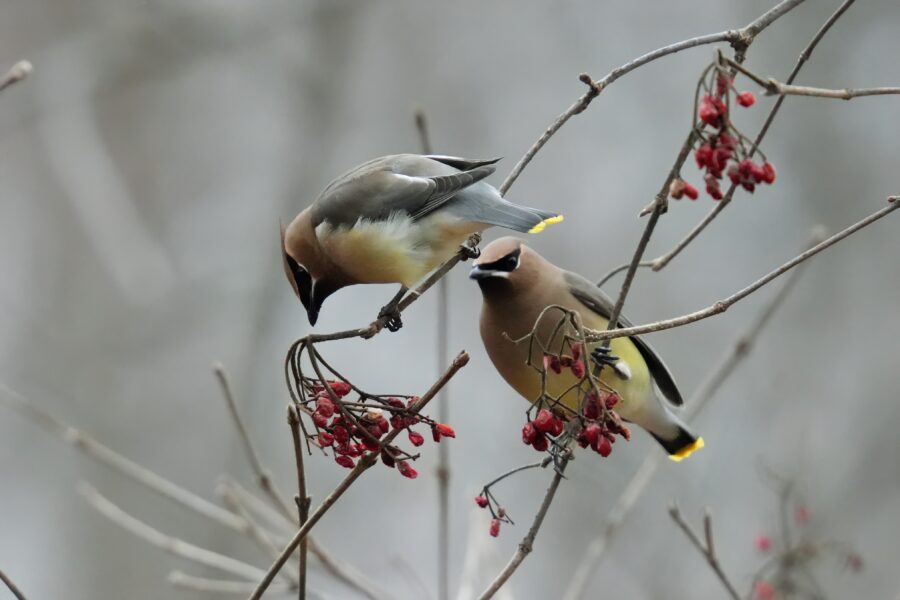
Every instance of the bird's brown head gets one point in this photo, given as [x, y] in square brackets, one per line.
[304, 270]
[503, 264]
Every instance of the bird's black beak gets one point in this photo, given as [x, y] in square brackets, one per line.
[479, 274]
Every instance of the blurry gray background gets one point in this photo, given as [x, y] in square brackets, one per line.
[145, 165]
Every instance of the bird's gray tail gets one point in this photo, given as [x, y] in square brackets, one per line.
[680, 445]
[500, 213]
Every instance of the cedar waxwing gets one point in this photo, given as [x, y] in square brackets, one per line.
[394, 219]
[517, 285]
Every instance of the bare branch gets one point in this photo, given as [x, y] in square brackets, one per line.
[707, 550]
[215, 586]
[664, 259]
[12, 586]
[364, 464]
[167, 543]
[303, 499]
[103, 454]
[17, 73]
[723, 305]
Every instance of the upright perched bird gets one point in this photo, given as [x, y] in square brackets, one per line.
[394, 219]
[517, 285]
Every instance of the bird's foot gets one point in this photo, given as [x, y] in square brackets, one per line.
[601, 357]
[468, 251]
[390, 316]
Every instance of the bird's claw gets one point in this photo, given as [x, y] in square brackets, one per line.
[601, 356]
[390, 315]
[467, 251]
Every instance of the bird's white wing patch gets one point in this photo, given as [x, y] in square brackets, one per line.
[622, 370]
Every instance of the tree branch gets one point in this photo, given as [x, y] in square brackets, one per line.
[723, 305]
[774, 87]
[303, 499]
[707, 550]
[215, 586]
[12, 586]
[366, 461]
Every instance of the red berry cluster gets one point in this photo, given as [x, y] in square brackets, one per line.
[722, 149]
[498, 516]
[351, 432]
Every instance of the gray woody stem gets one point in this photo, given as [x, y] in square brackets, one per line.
[706, 549]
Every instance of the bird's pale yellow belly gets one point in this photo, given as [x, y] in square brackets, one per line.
[396, 250]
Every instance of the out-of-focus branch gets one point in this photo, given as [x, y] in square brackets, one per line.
[664, 259]
[165, 542]
[707, 549]
[723, 305]
[12, 586]
[103, 454]
[442, 472]
[215, 586]
[365, 462]
[263, 476]
[642, 477]
[17, 73]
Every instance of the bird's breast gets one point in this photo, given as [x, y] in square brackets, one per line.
[394, 250]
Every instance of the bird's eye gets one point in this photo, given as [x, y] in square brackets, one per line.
[506, 264]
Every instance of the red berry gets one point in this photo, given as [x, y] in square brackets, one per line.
[552, 363]
[591, 408]
[387, 459]
[734, 174]
[319, 419]
[749, 186]
[540, 442]
[340, 388]
[764, 590]
[591, 433]
[416, 438]
[325, 439]
[370, 444]
[690, 191]
[712, 188]
[445, 430]
[344, 461]
[340, 434]
[577, 351]
[495, 527]
[676, 189]
[325, 406]
[481, 501]
[703, 155]
[556, 426]
[746, 99]
[763, 543]
[602, 446]
[543, 422]
[578, 369]
[612, 400]
[406, 470]
[529, 433]
[707, 112]
[768, 172]
[723, 82]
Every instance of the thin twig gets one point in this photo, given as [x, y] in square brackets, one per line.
[707, 549]
[17, 73]
[215, 586]
[303, 499]
[12, 586]
[664, 259]
[527, 543]
[168, 543]
[442, 471]
[774, 87]
[263, 476]
[723, 305]
[365, 462]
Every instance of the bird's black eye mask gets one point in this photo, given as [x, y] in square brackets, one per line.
[301, 280]
[506, 264]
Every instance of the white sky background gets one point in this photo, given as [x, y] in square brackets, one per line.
[145, 165]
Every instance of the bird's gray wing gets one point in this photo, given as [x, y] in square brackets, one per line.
[408, 183]
[593, 298]
[463, 164]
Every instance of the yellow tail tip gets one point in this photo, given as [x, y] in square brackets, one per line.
[687, 450]
[543, 224]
